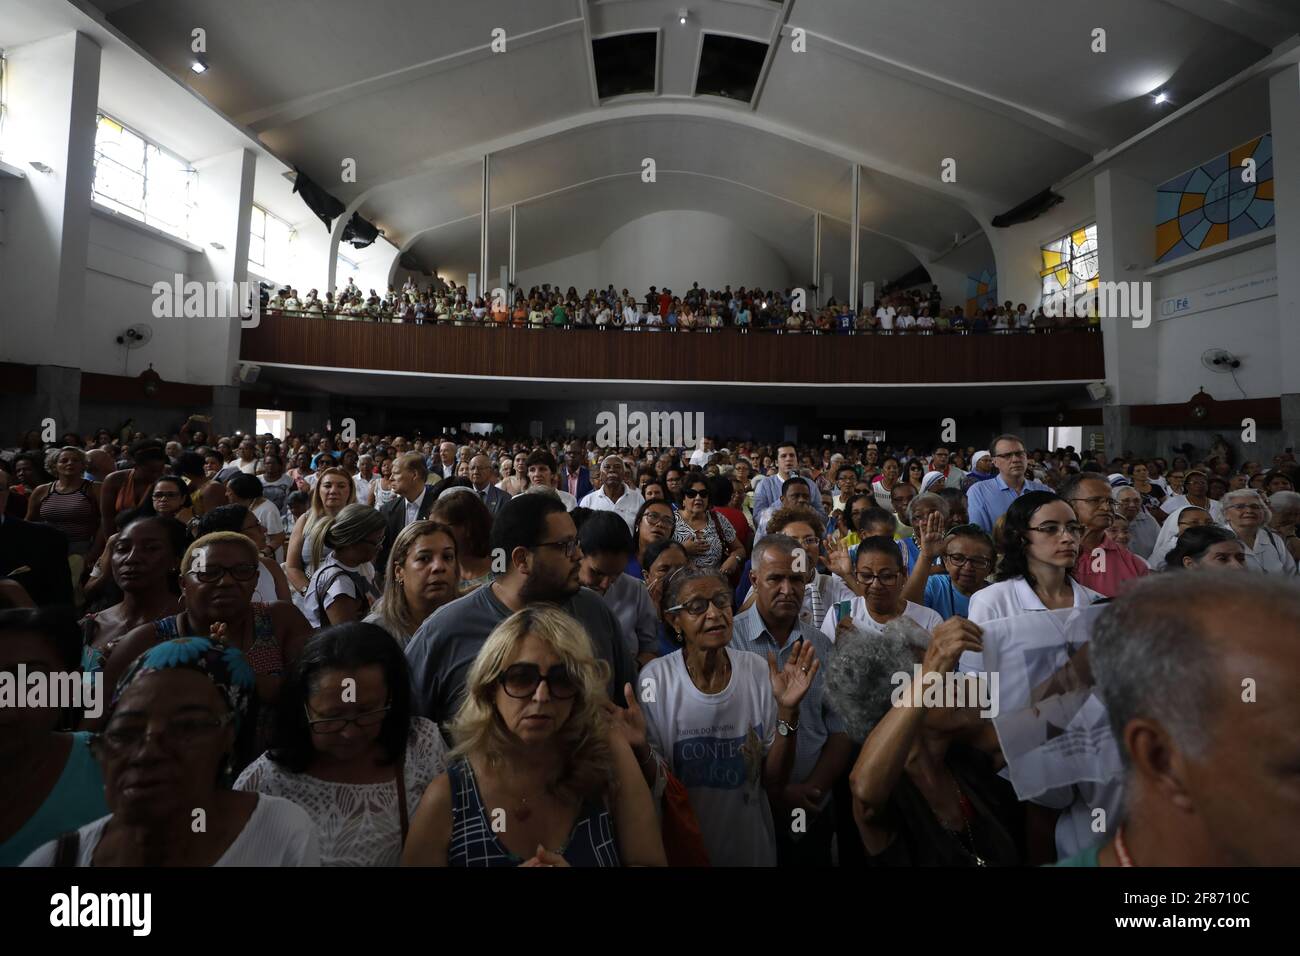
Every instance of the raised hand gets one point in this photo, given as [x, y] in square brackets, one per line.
[792, 682]
[837, 558]
[932, 536]
[949, 641]
[627, 723]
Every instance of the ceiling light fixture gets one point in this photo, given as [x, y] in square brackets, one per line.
[683, 15]
[1161, 98]
[198, 66]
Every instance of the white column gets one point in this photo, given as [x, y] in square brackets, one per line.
[1284, 100]
[817, 258]
[855, 241]
[486, 214]
[53, 96]
[514, 233]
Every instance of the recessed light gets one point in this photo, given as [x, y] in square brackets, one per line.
[198, 66]
[682, 15]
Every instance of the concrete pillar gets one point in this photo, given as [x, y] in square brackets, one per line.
[1284, 103]
[486, 216]
[855, 241]
[227, 416]
[53, 95]
[1121, 437]
[817, 258]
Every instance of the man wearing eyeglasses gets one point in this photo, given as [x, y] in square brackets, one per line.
[1103, 565]
[988, 501]
[539, 543]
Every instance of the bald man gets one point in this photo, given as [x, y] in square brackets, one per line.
[1198, 672]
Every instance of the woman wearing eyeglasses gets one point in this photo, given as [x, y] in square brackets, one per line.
[968, 556]
[166, 755]
[218, 575]
[544, 771]
[1040, 545]
[347, 749]
[880, 576]
[654, 522]
[723, 722]
[1248, 517]
[169, 497]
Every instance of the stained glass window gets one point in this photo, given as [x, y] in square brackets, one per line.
[1070, 265]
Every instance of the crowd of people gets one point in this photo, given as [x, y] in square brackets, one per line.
[479, 651]
[742, 309]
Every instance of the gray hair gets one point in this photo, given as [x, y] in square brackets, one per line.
[779, 542]
[1119, 491]
[673, 587]
[1282, 500]
[860, 675]
[540, 489]
[937, 500]
[1252, 494]
[1154, 656]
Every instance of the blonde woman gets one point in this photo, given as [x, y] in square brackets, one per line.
[334, 490]
[540, 748]
[421, 576]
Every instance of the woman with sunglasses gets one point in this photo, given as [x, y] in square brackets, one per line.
[51, 781]
[968, 556]
[218, 575]
[710, 540]
[166, 755]
[1248, 516]
[544, 771]
[916, 474]
[724, 722]
[347, 748]
[880, 576]
[1040, 545]
[654, 522]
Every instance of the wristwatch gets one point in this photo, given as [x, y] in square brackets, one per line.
[785, 728]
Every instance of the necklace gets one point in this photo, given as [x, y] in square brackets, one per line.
[724, 672]
[967, 811]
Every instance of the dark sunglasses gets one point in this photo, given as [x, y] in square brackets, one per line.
[521, 681]
[693, 493]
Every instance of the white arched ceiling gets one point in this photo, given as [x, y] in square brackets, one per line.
[413, 92]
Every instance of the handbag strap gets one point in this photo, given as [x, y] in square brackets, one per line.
[401, 796]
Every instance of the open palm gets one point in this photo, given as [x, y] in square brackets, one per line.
[791, 683]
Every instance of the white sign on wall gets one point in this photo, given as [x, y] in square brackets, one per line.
[1261, 285]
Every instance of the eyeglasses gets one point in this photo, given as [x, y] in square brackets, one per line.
[175, 737]
[165, 494]
[810, 541]
[659, 521]
[1095, 502]
[697, 606]
[335, 725]
[1245, 506]
[569, 546]
[1013, 454]
[962, 560]
[521, 681]
[693, 492]
[1053, 528]
[887, 579]
[212, 573]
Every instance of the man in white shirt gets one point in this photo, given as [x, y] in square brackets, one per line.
[885, 317]
[541, 470]
[768, 491]
[700, 457]
[613, 494]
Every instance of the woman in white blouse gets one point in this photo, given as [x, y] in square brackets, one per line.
[347, 749]
[880, 577]
[1247, 514]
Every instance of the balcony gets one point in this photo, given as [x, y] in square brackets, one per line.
[723, 356]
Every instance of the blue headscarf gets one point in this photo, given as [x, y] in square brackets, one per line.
[225, 666]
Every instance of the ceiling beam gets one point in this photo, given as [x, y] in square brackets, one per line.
[589, 52]
[281, 114]
[778, 26]
[1064, 131]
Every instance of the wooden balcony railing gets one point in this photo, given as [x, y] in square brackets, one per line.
[724, 355]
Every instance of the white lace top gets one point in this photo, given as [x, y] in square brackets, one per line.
[359, 823]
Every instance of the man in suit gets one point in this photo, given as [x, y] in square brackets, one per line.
[481, 476]
[413, 502]
[574, 476]
[34, 555]
[445, 466]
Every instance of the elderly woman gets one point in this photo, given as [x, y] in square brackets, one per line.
[710, 540]
[459, 508]
[422, 575]
[145, 561]
[967, 555]
[343, 586]
[883, 486]
[218, 577]
[331, 493]
[1143, 529]
[879, 576]
[1179, 520]
[271, 582]
[357, 762]
[1196, 491]
[52, 783]
[919, 510]
[1285, 506]
[1247, 515]
[70, 503]
[165, 751]
[544, 772]
[724, 722]
[1208, 547]
[925, 787]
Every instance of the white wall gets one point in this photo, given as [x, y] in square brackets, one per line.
[1249, 330]
[677, 247]
[1018, 249]
[582, 271]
